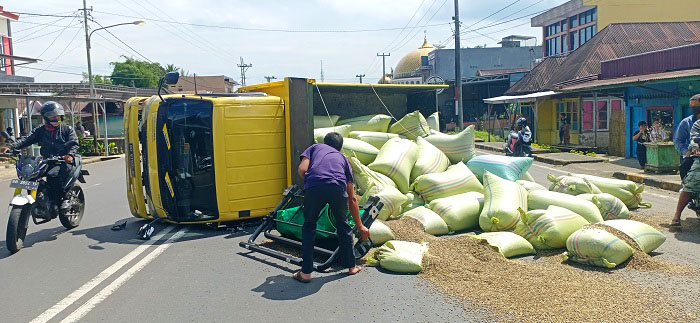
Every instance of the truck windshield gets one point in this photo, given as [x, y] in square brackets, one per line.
[191, 167]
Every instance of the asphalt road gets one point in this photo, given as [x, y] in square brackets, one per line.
[194, 273]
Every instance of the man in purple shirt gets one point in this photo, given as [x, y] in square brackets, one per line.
[328, 180]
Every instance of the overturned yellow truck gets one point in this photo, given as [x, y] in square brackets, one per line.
[212, 158]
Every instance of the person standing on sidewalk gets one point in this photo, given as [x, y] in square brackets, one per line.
[641, 137]
[682, 142]
[563, 129]
[328, 180]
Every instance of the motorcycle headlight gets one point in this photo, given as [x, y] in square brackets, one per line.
[27, 170]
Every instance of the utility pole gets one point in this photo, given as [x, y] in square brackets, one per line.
[90, 80]
[360, 76]
[268, 78]
[458, 70]
[383, 63]
[322, 79]
[243, 68]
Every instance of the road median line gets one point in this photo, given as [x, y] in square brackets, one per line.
[95, 281]
[114, 285]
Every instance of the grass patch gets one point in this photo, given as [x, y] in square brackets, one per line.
[485, 136]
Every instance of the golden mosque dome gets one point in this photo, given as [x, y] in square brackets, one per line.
[411, 61]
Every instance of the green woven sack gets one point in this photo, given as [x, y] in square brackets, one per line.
[413, 201]
[643, 234]
[376, 139]
[530, 186]
[390, 196]
[321, 133]
[430, 160]
[412, 126]
[548, 229]
[460, 211]
[366, 178]
[380, 233]
[434, 121]
[396, 160]
[372, 122]
[508, 244]
[361, 150]
[597, 247]
[628, 192]
[571, 185]
[432, 223]
[455, 180]
[296, 215]
[325, 121]
[541, 200]
[458, 148]
[610, 207]
[502, 198]
[399, 256]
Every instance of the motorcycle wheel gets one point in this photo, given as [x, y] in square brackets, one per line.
[17, 225]
[71, 218]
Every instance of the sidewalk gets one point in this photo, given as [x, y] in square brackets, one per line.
[604, 166]
[544, 156]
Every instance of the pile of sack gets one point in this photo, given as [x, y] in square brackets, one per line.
[438, 180]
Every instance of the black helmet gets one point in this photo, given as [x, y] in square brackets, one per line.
[51, 109]
[522, 122]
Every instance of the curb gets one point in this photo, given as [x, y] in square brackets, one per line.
[643, 179]
[541, 157]
[561, 162]
[92, 160]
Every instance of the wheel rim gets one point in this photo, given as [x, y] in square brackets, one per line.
[76, 206]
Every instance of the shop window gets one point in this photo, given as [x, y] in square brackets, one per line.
[664, 115]
[570, 110]
[587, 116]
[602, 115]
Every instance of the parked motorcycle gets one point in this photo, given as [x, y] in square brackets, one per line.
[32, 198]
[516, 146]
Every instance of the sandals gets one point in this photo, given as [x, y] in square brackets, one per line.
[297, 276]
[675, 224]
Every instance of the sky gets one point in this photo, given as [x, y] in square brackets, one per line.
[279, 38]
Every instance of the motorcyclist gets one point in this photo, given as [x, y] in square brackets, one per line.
[56, 140]
[524, 136]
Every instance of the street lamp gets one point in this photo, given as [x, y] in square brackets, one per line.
[92, 82]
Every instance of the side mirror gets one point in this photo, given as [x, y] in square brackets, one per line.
[171, 78]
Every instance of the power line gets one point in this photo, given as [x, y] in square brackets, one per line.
[42, 14]
[125, 44]
[62, 52]
[408, 36]
[491, 15]
[176, 34]
[21, 40]
[416, 32]
[202, 40]
[47, 25]
[274, 30]
[399, 34]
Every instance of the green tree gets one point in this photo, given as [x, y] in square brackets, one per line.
[137, 73]
[99, 79]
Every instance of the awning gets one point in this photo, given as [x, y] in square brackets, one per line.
[519, 98]
[682, 75]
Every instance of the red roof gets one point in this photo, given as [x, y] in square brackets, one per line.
[8, 14]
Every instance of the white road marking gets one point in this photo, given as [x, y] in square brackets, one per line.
[93, 185]
[112, 287]
[87, 287]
